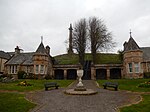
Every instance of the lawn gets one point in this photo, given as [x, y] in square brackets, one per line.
[132, 85]
[128, 84]
[143, 106]
[36, 85]
[14, 102]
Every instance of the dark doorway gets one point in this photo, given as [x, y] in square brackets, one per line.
[115, 73]
[101, 74]
[72, 74]
[87, 70]
[59, 74]
[86, 75]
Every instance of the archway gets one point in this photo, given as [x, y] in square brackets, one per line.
[115, 73]
[101, 74]
[59, 74]
[71, 74]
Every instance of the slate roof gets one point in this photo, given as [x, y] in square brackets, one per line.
[4, 55]
[131, 45]
[11, 53]
[146, 53]
[22, 58]
[41, 49]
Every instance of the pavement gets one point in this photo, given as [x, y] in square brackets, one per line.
[106, 100]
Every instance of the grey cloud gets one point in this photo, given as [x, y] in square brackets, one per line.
[22, 22]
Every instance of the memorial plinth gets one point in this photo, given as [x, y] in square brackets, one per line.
[80, 89]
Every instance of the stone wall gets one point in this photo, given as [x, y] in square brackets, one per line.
[133, 58]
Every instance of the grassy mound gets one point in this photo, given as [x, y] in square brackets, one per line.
[102, 58]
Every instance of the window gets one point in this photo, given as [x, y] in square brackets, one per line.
[130, 67]
[13, 69]
[136, 67]
[28, 69]
[42, 69]
[37, 69]
[9, 69]
[148, 65]
[45, 69]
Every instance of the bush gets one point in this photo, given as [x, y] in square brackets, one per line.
[21, 74]
[145, 85]
[29, 76]
[147, 75]
[47, 77]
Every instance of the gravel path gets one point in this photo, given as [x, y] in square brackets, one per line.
[105, 101]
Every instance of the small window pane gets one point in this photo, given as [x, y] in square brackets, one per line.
[42, 69]
[130, 67]
[136, 65]
[37, 69]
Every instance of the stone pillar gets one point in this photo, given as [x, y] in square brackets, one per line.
[93, 73]
[70, 51]
[122, 76]
[65, 74]
[53, 73]
[108, 73]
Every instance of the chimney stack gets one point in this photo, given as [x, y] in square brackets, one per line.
[17, 50]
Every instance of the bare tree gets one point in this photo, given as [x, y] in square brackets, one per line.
[79, 39]
[99, 36]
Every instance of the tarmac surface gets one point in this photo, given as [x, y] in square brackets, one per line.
[106, 100]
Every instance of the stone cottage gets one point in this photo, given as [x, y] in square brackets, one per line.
[136, 60]
[36, 63]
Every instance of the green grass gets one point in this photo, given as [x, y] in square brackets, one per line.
[143, 106]
[108, 59]
[128, 84]
[14, 102]
[66, 59]
[102, 58]
[36, 85]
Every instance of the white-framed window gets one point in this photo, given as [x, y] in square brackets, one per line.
[36, 69]
[42, 69]
[137, 67]
[148, 65]
[13, 69]
[130, 67]
[28, 69]
[46, 69]
[16, 69]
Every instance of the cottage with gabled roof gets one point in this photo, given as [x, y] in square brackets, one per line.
[36, 63]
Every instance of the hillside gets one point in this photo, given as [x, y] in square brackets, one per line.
[102, 58]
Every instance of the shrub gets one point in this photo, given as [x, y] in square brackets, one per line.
[48, 77]
[21, 74]
[29, 76]
[145, 85]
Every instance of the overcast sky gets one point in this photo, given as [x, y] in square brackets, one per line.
[23, 22]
